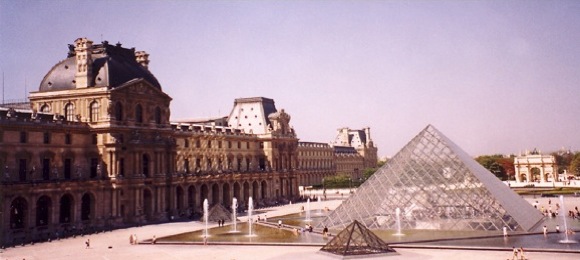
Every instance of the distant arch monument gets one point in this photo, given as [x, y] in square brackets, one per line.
[535, 167]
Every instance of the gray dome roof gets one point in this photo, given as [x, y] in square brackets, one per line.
[112, 67]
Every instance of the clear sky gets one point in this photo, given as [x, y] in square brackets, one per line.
[494, 76]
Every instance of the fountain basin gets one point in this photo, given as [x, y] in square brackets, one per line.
[261, 234]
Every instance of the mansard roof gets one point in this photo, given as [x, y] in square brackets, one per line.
[113, 66]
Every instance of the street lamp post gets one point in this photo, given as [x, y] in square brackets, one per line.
[349, 185]
[323, 190]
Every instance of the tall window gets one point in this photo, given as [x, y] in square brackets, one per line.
[69, 112]
[122, 166]
[94, 166]
[119, 111]
[46, 138]
[139, 114]
[67, 168]
[67, 139]
[23, 137]
[22, 169]
[145, 165]
[157, 115]
[186, 165]
[94, 111]
[46, 169]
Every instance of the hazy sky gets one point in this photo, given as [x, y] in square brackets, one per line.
[494, 76]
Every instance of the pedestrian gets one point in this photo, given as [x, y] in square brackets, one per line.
[522, 257]
[325, 232]
[154, 240]
[557, 228]
[545, 231]
[265, 217]
[135, 239]
[279, 223]
[505, 234]
[88, 243]
[515, 255]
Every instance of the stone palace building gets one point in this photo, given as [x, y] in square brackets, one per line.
[94, 149]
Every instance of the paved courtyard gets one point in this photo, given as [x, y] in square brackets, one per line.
[115, 245]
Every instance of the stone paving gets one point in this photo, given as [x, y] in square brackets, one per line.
[115, 245]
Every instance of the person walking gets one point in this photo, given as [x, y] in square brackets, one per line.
[522, 257]
[515, 255]
[88, 244]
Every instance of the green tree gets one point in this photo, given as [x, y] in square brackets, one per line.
[492, 164]
[574, 167]
[563, 160]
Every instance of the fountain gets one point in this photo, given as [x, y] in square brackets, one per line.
[307, 218]
[234, 215]
[205, 216]
[564, 213]
[250, 219]
[398, 219]
[319, 206]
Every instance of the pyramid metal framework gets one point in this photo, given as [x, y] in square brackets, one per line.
[357, 240]
[436, 185]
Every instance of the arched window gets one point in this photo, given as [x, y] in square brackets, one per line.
[157, 115]
[66, 209]
[86, 205]
[69, 112]
[139, 113]
[119, 111]
[18, 213]
[94, 111]
[45, 109]
[43, 206]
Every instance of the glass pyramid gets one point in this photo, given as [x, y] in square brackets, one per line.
[436, 185]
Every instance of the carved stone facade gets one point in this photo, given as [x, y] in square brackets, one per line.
[354, 151]
[96, 150]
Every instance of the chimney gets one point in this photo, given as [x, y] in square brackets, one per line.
[142, 58]
[368, 134]
[84, 62]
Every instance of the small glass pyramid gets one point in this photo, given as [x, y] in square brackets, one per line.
[436, 185]
[357, 240]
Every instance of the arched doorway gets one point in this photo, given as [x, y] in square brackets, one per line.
[204, 192]
[86, 207]
[264, 189]
[255, 190]
[43, 206]
[147, 204]
[226, 195]
[237, 192]
[66, 209]
[215, 196]
[179, 200]
[191, 199]
[246, 192]
[536, 176]
[18, 213]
